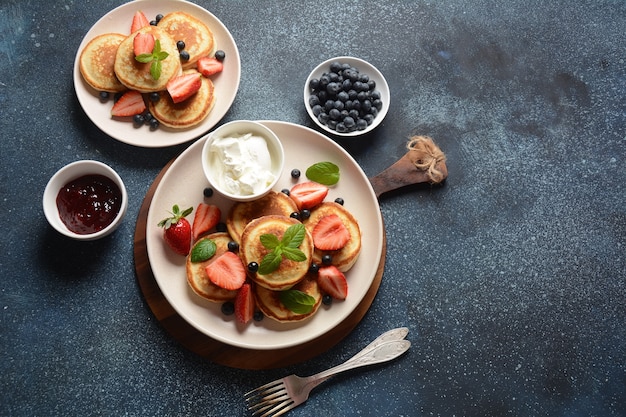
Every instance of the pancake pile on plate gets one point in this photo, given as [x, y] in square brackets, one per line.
[249, 227]
[108, 64]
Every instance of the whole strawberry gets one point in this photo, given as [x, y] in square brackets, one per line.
[177, 230]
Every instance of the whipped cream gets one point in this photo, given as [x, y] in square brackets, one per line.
[243, 164]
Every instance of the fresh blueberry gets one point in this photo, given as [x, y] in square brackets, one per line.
[220, 55]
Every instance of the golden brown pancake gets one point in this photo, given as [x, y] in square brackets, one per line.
[242, 213]
[198, 38]
[345, 257]
[197, 277]
[187, 113]
[252, 250]
[97, 62]
[136, 75]
[269, 301]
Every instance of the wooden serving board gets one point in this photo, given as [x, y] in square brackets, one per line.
[219, 352]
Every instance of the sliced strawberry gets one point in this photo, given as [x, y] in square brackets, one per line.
[244, 304]
[139, 20]
[130, 104]
[143, 43]
[177, 230]
[206, 218]
[333, 282]
[227, 271]
[209, 66]
[183, 86]
[330, 233]
[309, 194]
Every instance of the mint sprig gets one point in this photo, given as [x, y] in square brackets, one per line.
[325, 173]
[297, 301]
[286, 247]
[203, 250]
[155, 58]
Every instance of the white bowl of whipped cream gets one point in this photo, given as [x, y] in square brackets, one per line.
[242, 160]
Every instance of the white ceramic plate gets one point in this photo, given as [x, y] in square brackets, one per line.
[226, 83]
[364, 67]
[183, 184]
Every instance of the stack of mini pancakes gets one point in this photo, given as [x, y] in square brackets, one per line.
[246, 222]
[107, 63]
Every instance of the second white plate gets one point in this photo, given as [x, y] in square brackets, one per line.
[226, 83]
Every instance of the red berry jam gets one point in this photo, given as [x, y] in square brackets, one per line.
[89, 204]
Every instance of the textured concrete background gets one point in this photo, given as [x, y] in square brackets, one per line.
[511, 277]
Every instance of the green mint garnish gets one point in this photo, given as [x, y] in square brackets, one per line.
[203, 250]
[155, 58]
[297, 301]
[325, 173]
[287, 247]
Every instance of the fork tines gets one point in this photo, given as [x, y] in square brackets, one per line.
[269, 398]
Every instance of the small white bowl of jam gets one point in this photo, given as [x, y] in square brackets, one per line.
[85, 200]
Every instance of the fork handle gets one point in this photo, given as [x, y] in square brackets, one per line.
[381, 353]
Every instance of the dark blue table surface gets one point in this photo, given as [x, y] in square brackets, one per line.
[511, 277]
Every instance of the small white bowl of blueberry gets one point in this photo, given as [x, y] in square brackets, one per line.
[346, 96]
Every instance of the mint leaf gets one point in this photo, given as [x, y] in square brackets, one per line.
[294, 254]
[297, 301]
[325, 173]
[294, 236]
[144, 58]
[155, 70]
[203, 250]
[270, 263]
[287, 246]
[270, 241]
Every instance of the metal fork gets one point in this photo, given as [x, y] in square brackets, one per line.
[278, 397]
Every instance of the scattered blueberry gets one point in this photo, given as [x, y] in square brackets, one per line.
[314, 268]
[155, 96]
[154, 124]
[233, 246]
[327, 299]
[295, 173]
[208, 192]
[253, 267]
[180, 45]
[220, 55]
[228, 308]
[258, 315]
[139, 120]
[305, 214]
[327, 259]
[295, 215]
[285, 191]
[184, 55]
[104, 96]
[158, 17]
[339, 200]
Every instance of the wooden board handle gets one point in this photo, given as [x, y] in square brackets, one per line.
[423, 163]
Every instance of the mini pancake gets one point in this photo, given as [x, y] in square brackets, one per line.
[198, 38]
[187, 113]
[251, 249]
[269, 301]
[197, 277]
[345, 257]
[97, 61]
[136, 75]
[242, 213]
